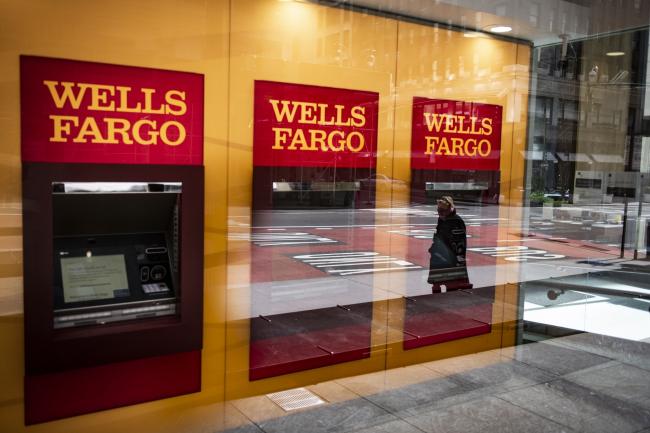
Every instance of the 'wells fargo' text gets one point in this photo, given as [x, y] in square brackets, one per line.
[318, 114]
[457, 124]
[88, 97]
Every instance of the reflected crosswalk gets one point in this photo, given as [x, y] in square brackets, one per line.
[274, 239]
[355, 263]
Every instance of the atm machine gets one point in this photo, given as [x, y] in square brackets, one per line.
[112, 239]
[113, 285]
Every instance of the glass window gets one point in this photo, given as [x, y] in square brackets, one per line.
[589, 206]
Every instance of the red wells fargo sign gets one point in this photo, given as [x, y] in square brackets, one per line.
[311, 126]
[85, 112]
[455, 135]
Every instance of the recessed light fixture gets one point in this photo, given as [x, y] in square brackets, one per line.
[499, 29]
[615, 53]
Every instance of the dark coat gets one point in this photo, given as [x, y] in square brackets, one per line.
[449, 246]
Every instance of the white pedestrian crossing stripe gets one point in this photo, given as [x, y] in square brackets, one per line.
[517, 253]
[355, 263]
[282, 239]
[418, 233]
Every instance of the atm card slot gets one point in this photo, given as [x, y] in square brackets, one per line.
[155, 250]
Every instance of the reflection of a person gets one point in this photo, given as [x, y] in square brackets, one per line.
[447, 266]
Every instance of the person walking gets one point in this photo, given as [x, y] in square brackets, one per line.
[448, 265]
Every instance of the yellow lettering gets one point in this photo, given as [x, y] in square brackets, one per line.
[359, 115]
[172, 101]
[488, 148]
[61, 127]
[153, 134]
[339, 116]
[123, 130]
[99, 97]
[164, 136]
[361, 143]
[474, 130]
[461, 125]
[307, 112]
[124, 101]
[323, 110]
[457, 146]
[315, 141]
[449, 123]
[148, 102]
[431, 144]
[117, 130]
[281, 114]
[470, 147]
[67, 94]
[330, 140]
[433, 121]
[280, 137]
[298, 138]
[443, 148]
[486, 124]
[89, 128]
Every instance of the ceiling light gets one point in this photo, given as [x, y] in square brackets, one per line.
[499, 29]
[615, 53]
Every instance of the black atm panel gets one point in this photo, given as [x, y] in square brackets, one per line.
[103, 279]
[111, 213]
[116, 251]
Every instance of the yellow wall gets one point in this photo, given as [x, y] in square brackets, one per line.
[150, 33]
[233, 44]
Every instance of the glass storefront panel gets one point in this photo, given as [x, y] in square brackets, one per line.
[587, 177]
[329, 235]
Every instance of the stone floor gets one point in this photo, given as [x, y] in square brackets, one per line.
[580, 383]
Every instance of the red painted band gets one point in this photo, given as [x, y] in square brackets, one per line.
[75, 392]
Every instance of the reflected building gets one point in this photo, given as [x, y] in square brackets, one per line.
[587, 135]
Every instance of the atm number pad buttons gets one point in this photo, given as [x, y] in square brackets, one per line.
[155, 288]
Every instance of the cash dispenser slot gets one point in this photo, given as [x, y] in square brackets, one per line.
[315, 194]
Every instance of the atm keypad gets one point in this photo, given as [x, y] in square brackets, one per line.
[155, 288]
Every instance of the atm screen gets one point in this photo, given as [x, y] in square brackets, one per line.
[112, 278]
[93, 277]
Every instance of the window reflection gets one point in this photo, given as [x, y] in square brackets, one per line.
[314, 175]
[312, 252]
[589, 181]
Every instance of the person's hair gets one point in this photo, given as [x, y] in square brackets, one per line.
[446, 200]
